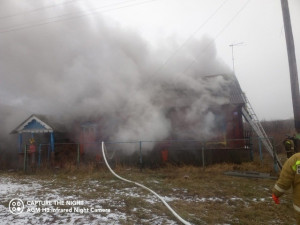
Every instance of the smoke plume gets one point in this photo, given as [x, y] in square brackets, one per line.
[91, 68]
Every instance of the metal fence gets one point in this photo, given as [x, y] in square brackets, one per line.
[149, 154]
[141, 153]
[44, 157]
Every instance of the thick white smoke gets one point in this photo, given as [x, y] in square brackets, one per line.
[90, 68]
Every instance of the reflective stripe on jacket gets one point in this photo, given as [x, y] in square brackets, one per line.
[290, 177]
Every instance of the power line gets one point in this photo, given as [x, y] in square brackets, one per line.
[219, 33]
[192, 35]
[59, 19]
[51, 6]
[76, 16]
[38, 9]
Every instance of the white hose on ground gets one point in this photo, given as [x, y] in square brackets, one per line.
[142, 186]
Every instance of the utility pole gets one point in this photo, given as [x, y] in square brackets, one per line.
[233, 45]
[292, 63]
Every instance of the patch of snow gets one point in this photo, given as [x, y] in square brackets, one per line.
[211, 199]
[169, 199]
[36, 190]
[155, 182]
[236, 199]
[39, 190]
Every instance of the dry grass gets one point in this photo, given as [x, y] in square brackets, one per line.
[202, 195]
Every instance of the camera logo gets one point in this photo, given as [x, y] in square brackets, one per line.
[16, 206]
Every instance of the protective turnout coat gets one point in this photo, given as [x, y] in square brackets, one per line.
[290, 177]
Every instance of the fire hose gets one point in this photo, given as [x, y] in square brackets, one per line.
[144, 187]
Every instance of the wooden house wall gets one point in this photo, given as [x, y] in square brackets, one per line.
[234, 126]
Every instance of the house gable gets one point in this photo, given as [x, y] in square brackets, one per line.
[33, 125]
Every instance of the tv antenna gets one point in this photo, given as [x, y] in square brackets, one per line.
[233, 45]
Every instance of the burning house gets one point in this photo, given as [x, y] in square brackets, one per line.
[218, 126]
[105, 82]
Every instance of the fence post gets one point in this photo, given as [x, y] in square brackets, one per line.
[25, 159]
[274, 156]
[141, 156]
[39, 161]
[251, 148]
[260, 150]
[48, 155]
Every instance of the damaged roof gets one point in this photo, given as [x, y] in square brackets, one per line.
[236, 95]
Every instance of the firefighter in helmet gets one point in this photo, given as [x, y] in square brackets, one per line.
[289, 177]
[289, 145]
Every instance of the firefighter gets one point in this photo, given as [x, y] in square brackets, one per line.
[289, 177]
[289, 146]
